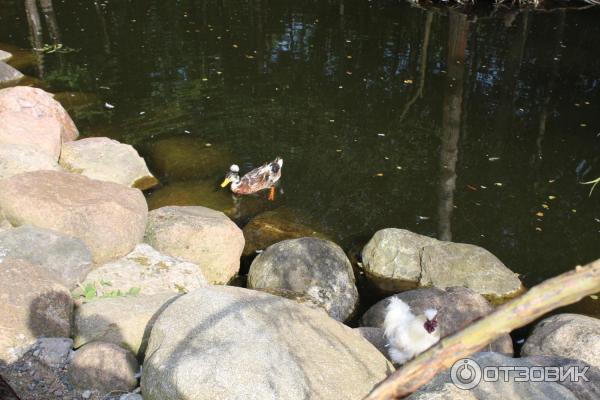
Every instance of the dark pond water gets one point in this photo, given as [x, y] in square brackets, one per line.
[475, 129]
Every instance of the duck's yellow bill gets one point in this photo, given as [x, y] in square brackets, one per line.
[226, 182]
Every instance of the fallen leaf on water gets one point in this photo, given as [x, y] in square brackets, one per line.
[551, 197]
[408, 81]
[379, 174]
[537, 228]
[594, 297]
[235, 46]
[483, 187]
[583, 125]
[473, 188]
[574, 210]
[546, 206]
[339, 150]
[498, 183]
[207, 144]
[540, 214]
[493, 158]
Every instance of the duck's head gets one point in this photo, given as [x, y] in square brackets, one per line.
[233, 176]
[431, 322]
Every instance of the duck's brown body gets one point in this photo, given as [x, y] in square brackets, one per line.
[261, 178]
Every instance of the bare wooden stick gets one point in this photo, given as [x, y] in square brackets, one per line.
[560, 291]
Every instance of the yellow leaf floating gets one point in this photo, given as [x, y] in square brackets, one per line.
[594, 297]
[379, 174]
[540, 214]
[408, 81]
[551, 197]
[537, 228]
[545, 206]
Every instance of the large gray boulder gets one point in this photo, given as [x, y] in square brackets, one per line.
[109, 218]
[65, 258]
[200, 235]
[104, 367]
[396, 260]
[125, 321]
[32, 305]
[16, 159]
[392, 259]
[566, 335]
[457, 307]
[308, 266]
[38, 104]
[149, 271]
[458, 264]
[8, 74]
[107, 160]
[441, 387]
[224, 342]
[43, 134]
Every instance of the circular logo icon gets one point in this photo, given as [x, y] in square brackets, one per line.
[465, 374]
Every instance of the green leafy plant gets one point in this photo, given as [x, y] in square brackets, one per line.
[98, 290]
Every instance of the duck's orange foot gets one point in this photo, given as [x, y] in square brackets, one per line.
[272, 194]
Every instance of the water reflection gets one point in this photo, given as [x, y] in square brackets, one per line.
[387, 115]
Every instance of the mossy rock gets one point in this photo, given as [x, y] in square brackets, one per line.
[184, 157]
[274, 226]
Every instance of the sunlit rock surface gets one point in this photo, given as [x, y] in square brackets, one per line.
[107, 160]
[397, 259]
[17, 158]
[65, 258]
[225, 342]
[39, 104]
[200, 235]
[150, 271]
[40, 133]
[109, 218]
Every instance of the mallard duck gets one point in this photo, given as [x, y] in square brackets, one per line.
[263, 177]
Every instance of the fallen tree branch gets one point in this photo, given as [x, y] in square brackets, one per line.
[560, 291]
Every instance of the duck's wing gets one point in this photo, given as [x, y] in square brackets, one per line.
[258, 177]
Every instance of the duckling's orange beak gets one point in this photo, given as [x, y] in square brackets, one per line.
[225, 182]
